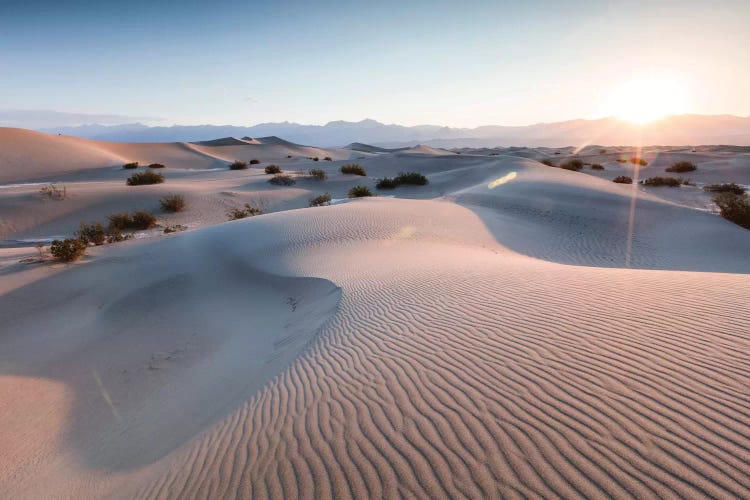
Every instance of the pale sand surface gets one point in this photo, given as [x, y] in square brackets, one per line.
[509, 331]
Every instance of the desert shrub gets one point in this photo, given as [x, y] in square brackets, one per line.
[53, 192]
[323, 199]
[328, 158]
[623, 179]
[574, 165]
[359, 192]
[319, 174]
[173, 203]
[734, 208]
[174, 228]
[273, 169]
[131, 165]
[68, 250]
[681, 166]
[288, 156]
[597, 166]
[729, 187]
[120, 221]
[353, 168]
[92, 233]
[156, 165]
[547, 162]
[386, 183]
[557, 152]
[144, 178]
[638, 161]
[282, 180]
[241, 213]
[143, 220]
[137, 220]
[316, 158]
[254, 161]
[662, 181]
[411, 179]
[237, 165]
[117, 236]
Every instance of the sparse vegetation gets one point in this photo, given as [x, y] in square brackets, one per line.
[734, 208]
[137, 220]
[662, 181]
[318, 201]
[623, 179]
[156, 165]
[387, 183]
[282, 180]
[597, 166]
[319, 174]
[411, 179]
[145, 178]
[574, 165]
[638, 161]
[681, 166]
[729, 187]
[53, 192]
[254, 161]
[359, 192]
[288, 156]
[238, 165]
[315, 158]
[131, 165]
[353, 168]
[273, 169]
[68, 250]
[241, 213]
[173, 203]
[174, 228]
[328, 158]
[92, 233]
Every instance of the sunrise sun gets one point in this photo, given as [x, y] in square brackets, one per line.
[643, 100]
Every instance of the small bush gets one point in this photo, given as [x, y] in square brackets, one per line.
[144, 178]
[734, 208]
[156, 165]
[241, 213]
[323, 199]
[353, 168]
[318, 174]
[137, 220]
[54, 193]
[117, 236]
[131, 165]
[328, 158]
[316, 159]
[574, 165]
[681, 166]
[92, 233]
[174, 228]
[238, 165]
[623, 179]
[68, 250]
[729, 187]
[597, 166]
[638, 161]
[288, 156]
[282, 180]
[173, 203]
[254, 161]
[143, 220]
[662, 181]
[387, 183]
[273, 169]
[411, 179]
[557, 152]
[359, 192]
[120, 221]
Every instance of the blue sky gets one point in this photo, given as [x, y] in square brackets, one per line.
[452, 63]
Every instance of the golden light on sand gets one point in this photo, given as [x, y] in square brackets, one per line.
[643, 100]
[502, 180]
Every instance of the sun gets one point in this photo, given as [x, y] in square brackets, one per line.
[643, 100]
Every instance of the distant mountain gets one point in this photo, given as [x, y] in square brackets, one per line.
[673, 130]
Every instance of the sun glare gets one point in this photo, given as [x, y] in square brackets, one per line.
[644, 100]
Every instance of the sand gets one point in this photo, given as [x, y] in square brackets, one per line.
[507, 330]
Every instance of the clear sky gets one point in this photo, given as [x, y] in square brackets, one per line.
[457, 63]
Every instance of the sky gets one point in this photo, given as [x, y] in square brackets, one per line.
[464, 64]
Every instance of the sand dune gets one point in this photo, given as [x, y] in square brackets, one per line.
[434, 344]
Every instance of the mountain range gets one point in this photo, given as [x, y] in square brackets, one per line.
[673, 130]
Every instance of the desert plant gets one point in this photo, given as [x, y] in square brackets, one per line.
[359, 192]
[574, 165]
[681, 166]
[662, 181]
[328, 158]
[144, 178]
[622, 179]
[120, 221]
[323, 199]
[40, 248]
[241, 213]
[319, 174]
[174, 228]
[638, 161]
[315, 158]
[131, 165]
[288, 156]
[173, 203]
[115, 236]
[597, 166]
[137, 220]
[386, 183]
[92, 233]
[282, 180]
[143, 220]
[254, 161]
[729, 187]
[734, 208]
[53, 192]
[68, 250]
[411, 179]
[156, 165]
[273, 169]
[353, 168]
[237, 165]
